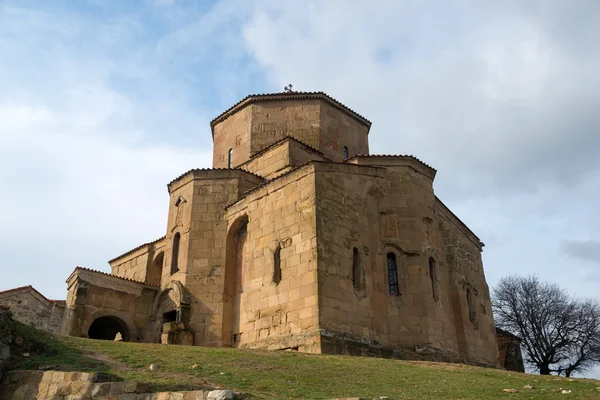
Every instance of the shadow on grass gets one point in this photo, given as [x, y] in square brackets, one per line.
[33, 349]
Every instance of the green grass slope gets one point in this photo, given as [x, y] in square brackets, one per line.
[288, 375]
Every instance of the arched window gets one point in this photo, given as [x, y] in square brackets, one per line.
[392, 268]
[356, 269]
[230, 159]
[175, 253]
[433, 276]
[471, 306]
[277, 265]
[345, 152]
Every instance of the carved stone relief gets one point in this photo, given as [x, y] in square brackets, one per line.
[389, 223]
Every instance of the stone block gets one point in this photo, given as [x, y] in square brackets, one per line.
[221, 395]
[101, 389]
[116, 388]
[4, 351]
[135, 387]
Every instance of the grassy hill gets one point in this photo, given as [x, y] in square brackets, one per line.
[287, 375]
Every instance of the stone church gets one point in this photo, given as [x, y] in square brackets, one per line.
[298, 239]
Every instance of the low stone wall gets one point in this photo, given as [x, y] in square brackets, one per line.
[32, 308]
[56, 385]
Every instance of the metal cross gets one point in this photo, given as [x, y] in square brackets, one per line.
[288, 88]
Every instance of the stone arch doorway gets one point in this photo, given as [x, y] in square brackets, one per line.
[171, 315]
[155, 271]
[107, 327]
[235, 272]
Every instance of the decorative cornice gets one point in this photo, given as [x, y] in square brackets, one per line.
[257, 98]
[394, 156]
[211, 169]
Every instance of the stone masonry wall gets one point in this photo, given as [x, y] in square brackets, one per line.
[30, 307]
[377, 211]
[143, 264]
[283, 314]
[58, 385]
[272, 162]
[232, 133]
[273, 120]
[200, 220]
[314, 122]
[281, 158]
[133, 266]
[509, 351]
[474, 323]
[92, 295]
[338, 129]
[346, 213]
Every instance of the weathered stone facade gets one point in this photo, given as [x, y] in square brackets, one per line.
[32, 308]
[509, 351]
[299, 239]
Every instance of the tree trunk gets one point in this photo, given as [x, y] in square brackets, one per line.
[545, 369]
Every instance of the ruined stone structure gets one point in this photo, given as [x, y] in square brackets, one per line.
[299, 239]
[509, 351]
[33, 308]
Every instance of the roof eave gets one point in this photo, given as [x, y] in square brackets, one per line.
[255, 98]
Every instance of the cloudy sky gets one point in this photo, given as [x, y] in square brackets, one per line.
[104, 102]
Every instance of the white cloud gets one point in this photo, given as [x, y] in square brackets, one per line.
[83, 156]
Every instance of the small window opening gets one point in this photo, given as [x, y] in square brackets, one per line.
[277, 265]
[392, 274]
[345, 152]
[230, 159]
[175, 253]
[170, 316]
[433, 276]
[236, 338]
[356, 269]
[471, 306]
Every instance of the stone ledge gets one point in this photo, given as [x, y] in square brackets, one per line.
[91, 386]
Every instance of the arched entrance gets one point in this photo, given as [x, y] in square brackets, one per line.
[235, 271]
[173, 304]
[106, 328]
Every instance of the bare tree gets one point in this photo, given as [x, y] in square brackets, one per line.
[559, 333]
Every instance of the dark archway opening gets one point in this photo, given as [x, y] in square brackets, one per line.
[170, 316]
[106, 328]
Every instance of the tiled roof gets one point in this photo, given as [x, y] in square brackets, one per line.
[212, 169]
[28, 287]
[246, 193]
[393, 155]
[254, 98]
[136, 248]
[506, 333]
[269, 147]
[111, 275]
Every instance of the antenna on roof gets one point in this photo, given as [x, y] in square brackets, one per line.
[288, 88]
